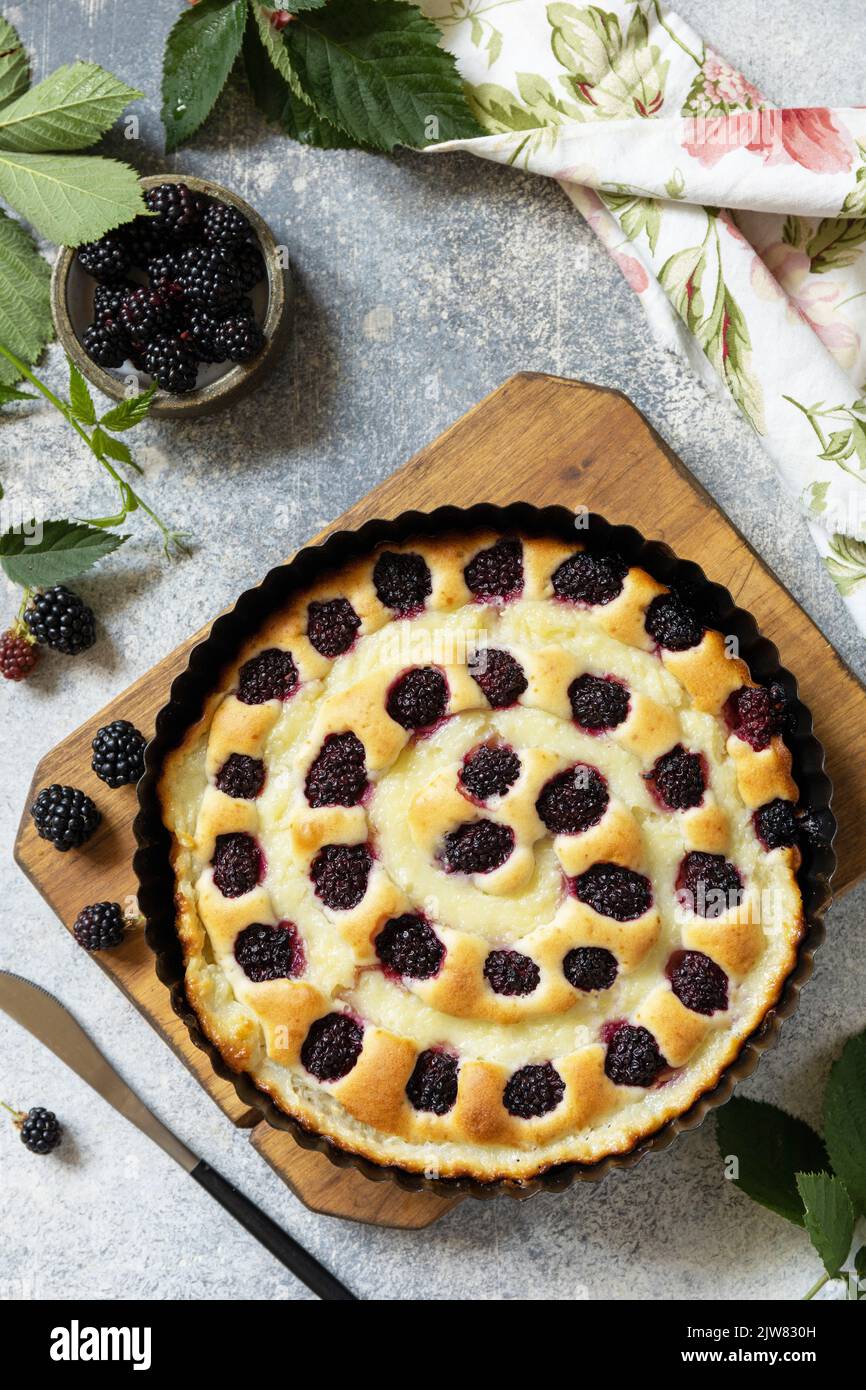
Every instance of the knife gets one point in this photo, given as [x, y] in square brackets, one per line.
[49, 1021]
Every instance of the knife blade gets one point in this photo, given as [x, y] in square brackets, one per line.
[53, 1025]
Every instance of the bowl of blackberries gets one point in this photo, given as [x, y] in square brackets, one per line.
[190, 296]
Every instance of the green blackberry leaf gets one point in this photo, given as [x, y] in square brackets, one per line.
[273, 48]
[280, 105]
[14, 67]
[129, 412]
[70, 198]
[374, 69]
[200, 53]
[25, 307]
[80, 398]
[829, 1218]
[845, 1119]
[8, 394]
[64, 550]
[771, 1148]
[67, 111]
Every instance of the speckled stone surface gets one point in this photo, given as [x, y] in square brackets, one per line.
[421, 284]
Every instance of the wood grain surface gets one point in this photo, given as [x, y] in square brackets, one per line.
[539, 439]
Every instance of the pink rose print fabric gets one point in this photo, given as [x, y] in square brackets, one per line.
[741, 226]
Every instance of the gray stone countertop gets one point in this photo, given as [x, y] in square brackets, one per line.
[421, 284]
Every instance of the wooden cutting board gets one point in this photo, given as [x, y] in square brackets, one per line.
[539, 439]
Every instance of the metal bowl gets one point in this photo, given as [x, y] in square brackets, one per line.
[185, 702]
[72, 310]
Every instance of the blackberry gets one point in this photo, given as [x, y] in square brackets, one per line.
[65, 816]
[269, 953]
[499, 675]
[816, 827]
[144, 239]
[708, 884]
[672, 622]
[105, 343]
[590, 968]
[613, 891]
[272, 675]
[19, 654]
[678, 779]
[633, 1057]
[402, 581]
[432, 1087]
[99, 927]
[39, 1128]
[337, 775]
[533, 1091]
[203, 329]
[178, 210]
[118, 753]
[223, 225]
[756, 713]
[408, 946]
[144, 313]
[340, 874]
[59, 619]
[775, 824]
[698, 982]
[108, 298]
[106, 259]
[418, 699]
[477, 847]
[332, 1046]
[172, 364]
[489, 770]
[250, 265]
[332, 626]
[496, 572]
[241, 776]
[163, 271]
[598, 702]
[238, 864]
[209, 277]
[239, 338]
[573, 800]
[511, 973]
[591, 579]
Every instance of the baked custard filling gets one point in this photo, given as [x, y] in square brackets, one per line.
[485, 851]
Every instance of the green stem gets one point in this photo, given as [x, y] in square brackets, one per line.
[825, 1279]
[11, 1109]
[677, 40]
[125, 489]
[808, 414]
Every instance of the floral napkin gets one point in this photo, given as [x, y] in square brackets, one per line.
[742, 226]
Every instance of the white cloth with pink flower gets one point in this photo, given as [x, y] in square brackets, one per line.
[741, 226]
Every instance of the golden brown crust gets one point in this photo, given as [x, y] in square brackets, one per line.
[260, 1027]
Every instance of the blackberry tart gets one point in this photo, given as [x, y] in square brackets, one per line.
[485, 856]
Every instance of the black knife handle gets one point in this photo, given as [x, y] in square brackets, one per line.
[273, 1237]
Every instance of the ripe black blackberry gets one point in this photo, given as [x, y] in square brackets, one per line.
[144, 238]
[178, 210]
[59, 619]
[106, 259]
[172, 363]
[144, 314]
[18, 653]
[105, 343]
[209, 277]
[99, 927]
[239, 338]
[118, 753]
[223, 225]
[164, 273]
[39, 1128]
[108, 297]
[65, 816]
[203, 329]
[250, 264]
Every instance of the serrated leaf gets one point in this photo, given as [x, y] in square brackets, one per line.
[80, 398]
[25, 306]
[374, 68]
[70, 198]
[128, 412]
[108, 447]
[200, 53]
[273, 48]
[11, 393]
[278, 103]
[67, 111]
[845, 1108]
[771, 1147]
[829, 1218]
[64, 550]
[14, 67]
